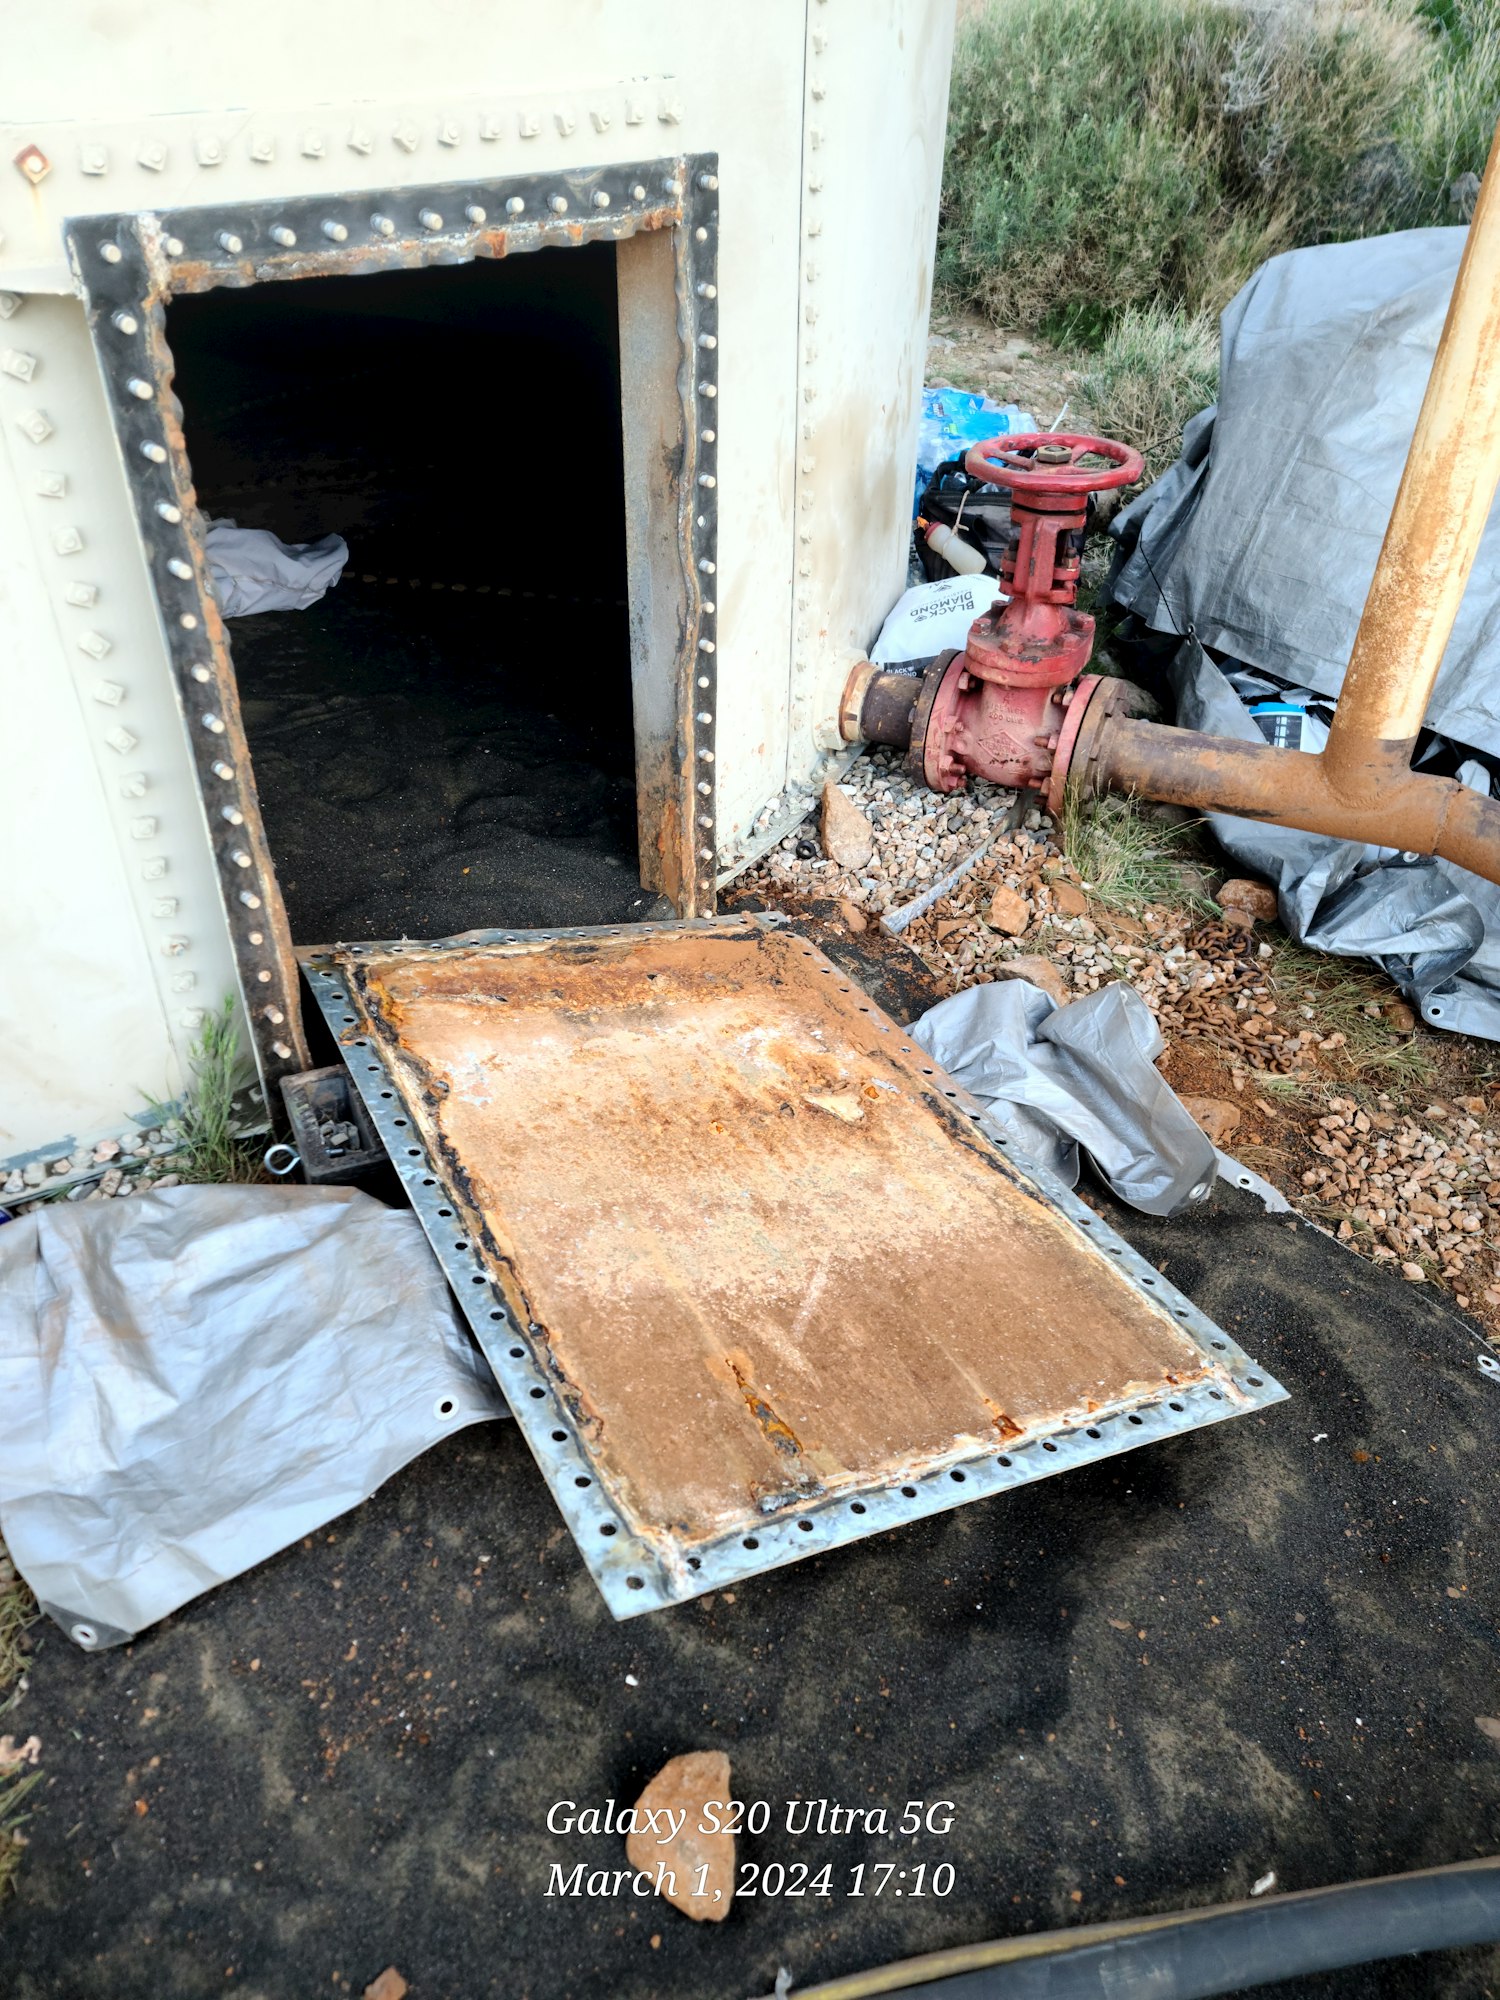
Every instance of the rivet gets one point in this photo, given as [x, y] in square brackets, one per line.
[232, 813]
[139, 387]
[700, 234]
[705, 820]
[475, 214]
[170, 514]
[705, 566]
[155, 452]
[282, 235]
[280, 1049]
[110, 252]
[153, 155]
[240, 858]
[34, 164]
[179, 568]
[336, 232]
[709, 606]
[382, 225]
[527, 125]
[708, 182]
[637, 193]
[143, 828]
[707, 340]
[707, 389]
[124, 322]
[109, 693]
[704, 681]
[312, 144]
[174, 947]
[202, 675]
[263, 977]
[67, 541]
[705, 854]
[227, 240]
[249, 898]
[182, 982]
[360, 140]
[708, 436]
[213, 724]
[707, 479]
[10, 302]
[220, 769]
[599, 198]
[430, 219]
[705, 787]
[449, 132]
[93, 159]
[705, 886]
[274, 1014]
[558, 204]
[565, 123]
[121, 741]
[52, 486]
[85, 595]
[407, 137]
[262, 148]
[208, 152]
[490, 127]
[671, 187]
[515, 206]
[95, 644]
[17, 363]
[705, 756]
[704, 717]
[257, 937]
[172, 245]
[706, 291]
[188, 622]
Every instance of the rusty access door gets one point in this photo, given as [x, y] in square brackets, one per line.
[751, 1273]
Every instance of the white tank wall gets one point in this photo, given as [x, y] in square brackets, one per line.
[827, 116]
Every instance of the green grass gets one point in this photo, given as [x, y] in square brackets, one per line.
[1156, 367]
[202, 1126]
[1339, 990]
[1113, 154]
[1127, 857]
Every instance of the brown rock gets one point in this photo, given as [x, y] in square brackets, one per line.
[1487, 1725]
[848, 837]
[1403, 1021]
[1069, 900]
[853, 915]
[1008, 912]
[1040, 972]
[696, 1866]
[1216, 1118]
[389, 1986]
[1256, 899]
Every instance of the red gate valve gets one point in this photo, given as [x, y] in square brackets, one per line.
[999, 709]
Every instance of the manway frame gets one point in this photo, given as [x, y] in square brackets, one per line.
[644, 1567]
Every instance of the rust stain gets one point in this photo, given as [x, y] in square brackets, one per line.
[744, 1299]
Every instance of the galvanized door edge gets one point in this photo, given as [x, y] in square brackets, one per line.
[129, 266]
[635, 1574]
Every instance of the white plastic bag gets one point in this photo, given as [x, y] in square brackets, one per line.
[931, 618]
[254, 570]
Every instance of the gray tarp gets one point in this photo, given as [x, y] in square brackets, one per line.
[1053, 1079]
[1433, 927]
[194, 1378]
[1262, 539]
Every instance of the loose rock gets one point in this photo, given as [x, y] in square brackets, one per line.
[685, 1785]
[853, 915]
[1069, 900]
[1218, 1119]
[1008, 912]
[1256, 899]
[107, 1149]
[1039, 972]
[389, 1986]
[848, 837]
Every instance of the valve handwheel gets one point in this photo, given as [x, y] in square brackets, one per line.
[1048, 465]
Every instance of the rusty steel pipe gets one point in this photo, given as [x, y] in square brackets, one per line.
[1361, 786]
[1442, 505]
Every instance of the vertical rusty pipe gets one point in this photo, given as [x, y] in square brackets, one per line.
[1442, 505]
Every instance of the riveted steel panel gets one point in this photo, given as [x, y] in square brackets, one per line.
[751, 1273]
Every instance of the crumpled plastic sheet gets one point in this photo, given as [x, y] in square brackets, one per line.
[1434, 928]
[197, 1377]
[1262, 539]
[254, 570]
[1055, 1081]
